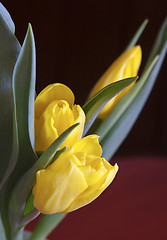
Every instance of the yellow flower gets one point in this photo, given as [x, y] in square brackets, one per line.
[76, 178]
[55, 112]
[127, 65]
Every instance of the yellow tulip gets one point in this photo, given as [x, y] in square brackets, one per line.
[127, 65]
[74, 179]
[55, 112]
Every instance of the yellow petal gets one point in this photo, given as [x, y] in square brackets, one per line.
[127, 65]
[93, 191]
[55, 190]
[74, 179]
[111, 175]
[76, 134]
[56, 118]
[62, 162]
[89, 145]
[45, 132]
[56, 91]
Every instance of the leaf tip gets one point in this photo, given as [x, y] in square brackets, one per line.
[146, 21]
[30, 31]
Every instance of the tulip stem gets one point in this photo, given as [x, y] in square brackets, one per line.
[46, 225]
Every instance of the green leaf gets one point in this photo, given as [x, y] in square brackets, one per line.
[98, 101]
[133, 103]
[24, 91]
[29, 204]
[159, 42]
[137, 35]
[23, 188]
[9, 50]
[48, 155]
[7, 18]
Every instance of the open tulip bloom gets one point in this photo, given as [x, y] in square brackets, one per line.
[54, 153]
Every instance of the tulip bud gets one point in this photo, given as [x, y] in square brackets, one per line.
[126, 66]
[55, 112]
[77, 177]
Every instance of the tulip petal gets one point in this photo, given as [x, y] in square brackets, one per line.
[56, 118]
[89, 145]
[51, 93]
[74, 179]
[125, 66]
[56, 190]
[92, 192]
[55, 113]
[45, 135]
[76, 134]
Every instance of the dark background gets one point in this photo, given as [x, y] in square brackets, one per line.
[77, 40]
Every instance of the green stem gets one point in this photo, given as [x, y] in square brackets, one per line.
[2, 231]
[46, 225]
[19, 235]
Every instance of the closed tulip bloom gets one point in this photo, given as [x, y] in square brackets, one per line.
[126, 66]
[55, 112]
[77, 177]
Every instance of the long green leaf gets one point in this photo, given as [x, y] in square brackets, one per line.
[137, 35]
[23, 93]
[9, 50]
[98, 101]
[23, 188]
[7, 18]
[118, 132]
[159, 43]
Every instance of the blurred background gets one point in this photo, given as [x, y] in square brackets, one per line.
[76, 41]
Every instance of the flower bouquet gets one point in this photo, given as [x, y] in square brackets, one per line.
[55, 154]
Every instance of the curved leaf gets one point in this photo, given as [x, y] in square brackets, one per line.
[24, 91]
[98, 101]
[159, 43]
[7, 18]
[9, 50]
